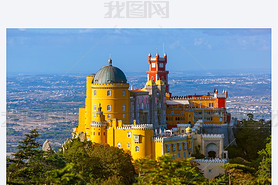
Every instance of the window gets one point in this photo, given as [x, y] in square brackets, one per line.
[123, 92]
[220, 119]
[95, 115]
[210, 104]
[128, 145]
[136, 138]
[123, 115]
[181, 112]
[119, 145]
[174, 147]
[191, 104]
[142, 106]
[99, 133]
[153, 65]
[108, 116]
[108, 107]
[179, 155]
[200, 105]
[179, 146]
[104, 133]
[184, 146]
[160, 65]
[95, 107]
[108, 92]
[168, 148]
[93, 133]
[172, 112]
[210, 170]
[95, 92]
[137, 149]
[128, 134]
[184, 155]
[123, 107]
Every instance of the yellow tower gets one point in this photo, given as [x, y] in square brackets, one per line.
[110, 88]
[98, 128]
[141, 141]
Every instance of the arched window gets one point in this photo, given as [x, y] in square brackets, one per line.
[95, 92]
[108, 92]
[137, 149]
[128, 134]
[123, 92]
[108, 107]
[119, 145]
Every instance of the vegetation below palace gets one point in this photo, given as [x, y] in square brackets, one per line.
[88, 163]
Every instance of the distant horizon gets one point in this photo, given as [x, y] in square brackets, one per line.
[191, 72]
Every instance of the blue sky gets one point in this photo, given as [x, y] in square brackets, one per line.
[47, 51]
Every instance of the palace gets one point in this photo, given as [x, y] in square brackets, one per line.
[150, 122]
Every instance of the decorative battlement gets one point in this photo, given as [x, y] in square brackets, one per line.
[183, 125]
[191, 98]
[216, 125]
[124, 127]
[212, 135]
[216, 160]
[96, 124]
[142, 126]
[171, 138]
[110, 85]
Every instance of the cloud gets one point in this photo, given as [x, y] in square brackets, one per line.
[201, 42]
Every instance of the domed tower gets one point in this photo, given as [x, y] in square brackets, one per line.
[110, 89]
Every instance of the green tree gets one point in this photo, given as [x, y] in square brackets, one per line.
[64, 176]
[98, 163]
[30, 163]
[115, 162]
[264, 170]
[239, 174]
[20, 169]
[198, 154]
[168, 171]
[250, 137]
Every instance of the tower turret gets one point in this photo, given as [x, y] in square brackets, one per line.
[158, 69]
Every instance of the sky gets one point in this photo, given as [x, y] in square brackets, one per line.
[66, 51]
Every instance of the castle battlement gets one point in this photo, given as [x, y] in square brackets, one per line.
[142, 126]
[124, 127]
[216, 125]
[216, 160]
[180, 138]
[212, 135]
[110, 86]
[96, 124]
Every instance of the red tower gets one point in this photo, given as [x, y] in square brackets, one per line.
[157, 69]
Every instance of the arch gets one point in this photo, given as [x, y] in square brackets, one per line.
[211, 150]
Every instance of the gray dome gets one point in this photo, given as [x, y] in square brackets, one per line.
[109, 74]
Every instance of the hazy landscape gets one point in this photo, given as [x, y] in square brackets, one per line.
[50, 102]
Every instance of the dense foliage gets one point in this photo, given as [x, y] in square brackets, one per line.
[88, 163]
[78, 163]
[250, 138]
[168, 171]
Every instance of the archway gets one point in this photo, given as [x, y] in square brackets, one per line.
[211, 150]
[212, 154]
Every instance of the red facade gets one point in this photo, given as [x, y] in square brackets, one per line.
[158, 69]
